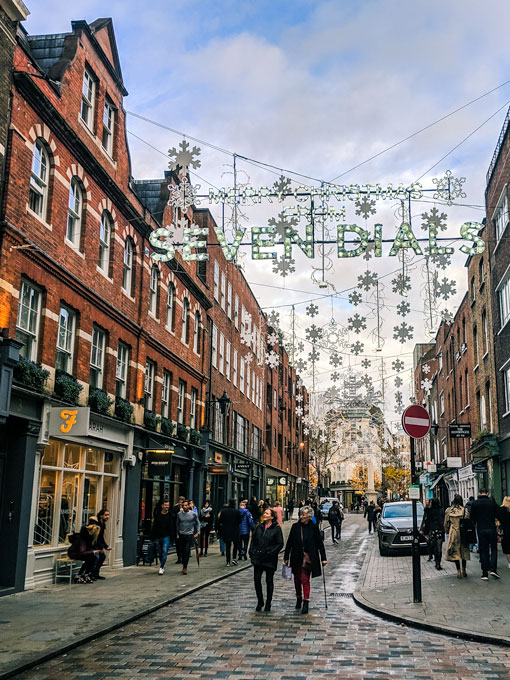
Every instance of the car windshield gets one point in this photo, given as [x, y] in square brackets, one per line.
[401, 510]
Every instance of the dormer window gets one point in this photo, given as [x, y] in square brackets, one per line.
[88, 97]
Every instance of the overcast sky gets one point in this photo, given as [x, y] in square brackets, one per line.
[316, 88]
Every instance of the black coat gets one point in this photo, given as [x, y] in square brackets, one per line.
[265, 545]
[162, 526]
[433, 520]
[335, 515]
[228, 523]
[484, 513]
[294, 552]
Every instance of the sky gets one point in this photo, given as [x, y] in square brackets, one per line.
[317, 88]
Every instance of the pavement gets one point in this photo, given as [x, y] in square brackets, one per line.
[470, 607]
[36, 625]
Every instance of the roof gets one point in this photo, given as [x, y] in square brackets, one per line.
[47, 50]
[149, 191]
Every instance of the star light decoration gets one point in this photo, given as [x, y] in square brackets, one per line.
[355, 298]
[272, 359]
[448, 187]
[184, 157]
[365, 207]
[426, 385]
[357, 323]
[312, 310]
[397, 365]
[284, 266]
[403, 332]
[357, 348]
[367, 280]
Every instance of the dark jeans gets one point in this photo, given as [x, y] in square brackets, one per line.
[204, 540]
[228, 549]
[336, 530]
[100, 558]
[488, 548]
[242, 546]
[436, 548]
[371, 525]
[88, 563]
[257, 579]
[187, 542]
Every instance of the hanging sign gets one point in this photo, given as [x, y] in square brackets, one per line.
[460, 430]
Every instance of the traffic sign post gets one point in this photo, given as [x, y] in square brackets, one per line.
[416, 422]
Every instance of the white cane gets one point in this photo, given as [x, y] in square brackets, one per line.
[324, 583]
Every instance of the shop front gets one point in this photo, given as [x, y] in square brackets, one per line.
[231, 476]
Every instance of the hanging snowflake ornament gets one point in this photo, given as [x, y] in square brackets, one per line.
[445, 288]
[355, 298]
[298, 411]
[299, 398]
[246, 336]
[369, 252]
[357, 323]
[398, 397]
[282, 187]
[301, 365]
[403, 308]
[441, 260]
[300, 347]
[446, 315]
[248, 358]
[313, 355]
[335, 359]
[332, 394]
[306, 431]
[284, 266]
[366, 363]
[435, 219]
[426, 385]
[313, 333]
[365, 207]
[183, 195]
[357, 348]
[272, 339]
[335, 376]
[283, 224]
[367, 280]
[403, 333]
[401, 284]
[448, 187]
[397, 365]
[398, 381]
[273, 319]
[184, 157]
[272, 359]
[425, 369]
[312, 310]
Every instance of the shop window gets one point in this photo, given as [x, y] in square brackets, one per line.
[39, 180]
[65, 340]
[74, 213]
[27, 323]
[121, 370]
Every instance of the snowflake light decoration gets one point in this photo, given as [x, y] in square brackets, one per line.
[445, 288]
[299, 398]
[398, 397]
[448, 187]
[357, 348]
[332, 394]
[397, 365]
[272, 359]
[335, 359]
[426, 385]
[313, 333]
[313, 355]
[425, 369]
[403, 332]
[248, 358]
[300, 347]
[401, 284]
[246, 336]
[398, 381]
[282, 186]
[446, 315]
[365, 207]
[282, 224]
[298, 411]
[335, 376]
[306, 431]
[367, 280]
[183, 195]
[366, 363]
[312, 310]
[274, 318]
[184, 157]
[355, 298]
[441, 260]
[357, 323]
[434, 218]
[403, 308]
[301, 365]
[284, 266]
[272, 339]
[369, 252]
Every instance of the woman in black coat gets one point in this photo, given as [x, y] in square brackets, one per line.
[305, 552]
[266, 543]
[433, 529]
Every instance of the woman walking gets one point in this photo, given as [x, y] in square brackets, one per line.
[455, 551]
[433, 529]
[305, 552]
[504, 520]
[266, 543]
[206, 518]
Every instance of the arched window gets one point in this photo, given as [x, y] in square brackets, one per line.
[105, 237]
[196, 333]
[185, 321]
[154, 291]
[74, 213]
[39, 179]
[170, 307]
[127, 270]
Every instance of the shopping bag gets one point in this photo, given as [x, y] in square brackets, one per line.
[286, 572]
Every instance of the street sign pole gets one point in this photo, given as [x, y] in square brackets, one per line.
[416, 539]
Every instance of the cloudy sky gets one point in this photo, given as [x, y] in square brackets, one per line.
[317, 88]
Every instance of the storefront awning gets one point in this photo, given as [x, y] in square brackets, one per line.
[436, 481]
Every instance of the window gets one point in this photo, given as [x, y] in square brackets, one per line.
[74, 213]
[440, 362]
[65, 340]
[500, 216]
[253, 386]
[228, 350]
[166, 392]
[38, 197]
[504, 301]
[223, 299]
[97, 358]
[441, 403]
[27, 323]
[241, 375]
[216, 290]
[214, 346]
[240, 433]
[196, 333]
[105, 235]
[472, 289]
[193, 409]
[236, 311]
[506, 382]
[247, 380]
[482, 411]
[475, 345]
[148, 388]
[234, 375]
[108, 123]
[485, 337]
[88, 97]
[219, 430]
[221, 360]
[170, 307]
[275, 399]
[185, 321]
[127, 269]
[466, 383]
[488, 402]
[121, 370]
[481, 272]
[180, 401]
[154, 292]
[229, 300]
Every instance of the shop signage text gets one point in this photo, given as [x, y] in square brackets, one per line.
[460, 431]
[480, 468]
[69, 420]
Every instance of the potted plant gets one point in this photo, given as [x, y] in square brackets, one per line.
[99, 401]
[30, 374]
[182, 432]
[67, 387]
[167, 427]
[123, 409]
[194, 436]
[150, 420]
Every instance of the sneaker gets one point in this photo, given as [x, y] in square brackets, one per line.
[228, 564]
[495, 574]
[485, 577]
[508, 565]
[234, 562]
[161, 571]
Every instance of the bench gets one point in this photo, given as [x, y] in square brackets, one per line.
[64, 569]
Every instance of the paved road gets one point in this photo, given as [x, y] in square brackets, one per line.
[216, 633]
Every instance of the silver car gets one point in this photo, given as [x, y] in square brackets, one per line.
[395, 526]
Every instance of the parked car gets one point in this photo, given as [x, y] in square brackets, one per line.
[395, 527]
[326, 504]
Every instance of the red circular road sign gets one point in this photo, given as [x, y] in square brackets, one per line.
[416, 421]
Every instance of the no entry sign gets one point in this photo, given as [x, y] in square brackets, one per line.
[416, 421]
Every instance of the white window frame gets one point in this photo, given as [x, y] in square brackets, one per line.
[88, 98]
[193, 409]
[74, 213]
[170, 307]
[223, 292]
[214, 346]
[235, 371]
[221, 353]
[247, 392]
[108, 127]
[236, 311]
[483, 412]
[228, 352]
[66, 334]
[29, 306]
[148, 385]
[121, 370]
[241, 374]
[166, 388]
[184, 321]
[441, 403]
[127, 268]
[181, 396]
[105, 237]
[153, 291]
[253, 386]
[196, 333]
[229, 300]
[216, 288]
[97, 354]
[500, 214]
[504, 301]
[39, 180]
[506, 383]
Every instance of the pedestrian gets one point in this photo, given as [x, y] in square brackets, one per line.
[160, 533]
[455, 550]
[206, 518]
[188, 528]
[430, 547]
[83, 547]
[504, 519]
[305, 552]
[266, 544]
[100, 520]
[365, 508]
[253, 507]
[279, 512]
[246, 526]
[174, 535]
[484, 513]
[433, 529]
[317, 515]
[260, 510]
[228, 523]
[335, 519]
[193, 508]
[371, 512]
[290, 508]
[468, 507]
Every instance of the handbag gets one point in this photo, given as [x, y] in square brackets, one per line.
[467, 531]
[286, 571]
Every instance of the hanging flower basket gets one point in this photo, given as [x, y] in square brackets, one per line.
[30, 374]
[67, 387]
[99, 401]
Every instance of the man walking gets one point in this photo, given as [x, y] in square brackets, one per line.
[227, 524]
[174, 535]
[160, 533]
[335, 519]
[188, 528]
[484, 513]
[372, 511]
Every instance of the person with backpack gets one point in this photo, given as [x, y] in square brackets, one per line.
[83, 547]
[266, 543]
[160, 533]
[335, 519]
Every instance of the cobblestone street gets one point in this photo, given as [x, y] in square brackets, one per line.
[216, 633]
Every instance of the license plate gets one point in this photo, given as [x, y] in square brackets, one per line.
[406, 538]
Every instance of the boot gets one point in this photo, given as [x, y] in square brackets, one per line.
[259, 606]
[305, 607]
[299, 602]
[184, 571]
[459, 573]
[267, 608]
[464, 573]
[438, 565]
[430, 558]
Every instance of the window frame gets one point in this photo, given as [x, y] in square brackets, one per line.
[166, 394]
[35, 296]
[214, 346]
[154, 291]
[185, 321]
[127, 266]
[193, 408]
[88, 100]
[69, 332]
[97, 366]
[148, 384]
[39, 180]
[501, 206]
[181, 402]
[196, 332]
[75, 213]
[105, 242]
[170, 308]
[121, 370]
[108, 129]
